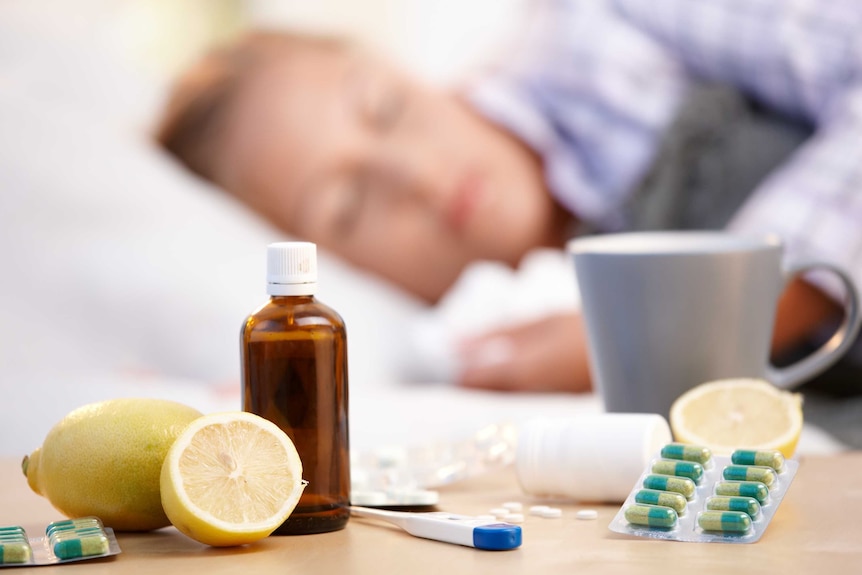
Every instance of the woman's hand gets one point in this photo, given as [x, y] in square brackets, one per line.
[802, 311]
[548, 354]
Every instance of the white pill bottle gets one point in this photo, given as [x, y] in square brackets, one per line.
[594, 457]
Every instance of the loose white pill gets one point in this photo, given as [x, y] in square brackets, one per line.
[514, 518]
[538, 509]
[552, 513]
[368, 498]
[587, 514]
[513, 506]
[499, 511]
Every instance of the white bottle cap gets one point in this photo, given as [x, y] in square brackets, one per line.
[291, 268]
[588, 457]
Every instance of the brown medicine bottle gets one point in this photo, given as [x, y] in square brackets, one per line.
[294, 369]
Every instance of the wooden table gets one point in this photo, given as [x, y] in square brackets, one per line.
[817, 529]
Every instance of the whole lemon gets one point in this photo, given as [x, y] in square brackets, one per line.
[105, 459]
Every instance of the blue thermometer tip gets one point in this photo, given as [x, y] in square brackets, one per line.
[497, 537]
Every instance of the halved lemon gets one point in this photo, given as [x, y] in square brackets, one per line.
[731, 414]
[230, 479]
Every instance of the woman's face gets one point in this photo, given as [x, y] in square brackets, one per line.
[340, 149]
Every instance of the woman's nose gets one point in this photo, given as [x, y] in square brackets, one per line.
[409, 174]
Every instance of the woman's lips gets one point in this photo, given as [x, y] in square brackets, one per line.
[462, 206]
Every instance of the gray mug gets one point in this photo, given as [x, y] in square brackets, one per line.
[666, 311]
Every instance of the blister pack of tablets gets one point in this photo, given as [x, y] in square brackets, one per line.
[687, 494]
[64, 542]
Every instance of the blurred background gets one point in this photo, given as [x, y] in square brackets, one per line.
[123, 275]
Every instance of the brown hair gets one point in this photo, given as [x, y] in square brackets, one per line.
[194, 120]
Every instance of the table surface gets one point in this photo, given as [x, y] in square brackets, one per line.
[817, 528]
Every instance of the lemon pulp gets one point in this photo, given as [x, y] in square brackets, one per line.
[738, 414]
[231, 479]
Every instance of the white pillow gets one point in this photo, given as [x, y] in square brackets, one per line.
[117, 265]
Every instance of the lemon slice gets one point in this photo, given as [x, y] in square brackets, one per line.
[230, 479]
[731, 414]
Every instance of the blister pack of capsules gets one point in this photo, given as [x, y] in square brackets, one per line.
[687, 494]
[64, 542]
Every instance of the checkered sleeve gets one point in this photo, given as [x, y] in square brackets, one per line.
[814, 201]
[592, 96]
[803, 57]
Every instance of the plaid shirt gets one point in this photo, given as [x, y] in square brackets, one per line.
[597, 82]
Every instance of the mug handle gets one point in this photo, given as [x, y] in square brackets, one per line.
[806, 368]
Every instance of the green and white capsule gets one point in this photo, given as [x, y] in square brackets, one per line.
[682, 485]
[76, 534]
[15, 552]
[773, 459]
[664, 498]
[12, 534]
[747, 505]
[753, 489]
[724, 521]
[84, 546]
[686, 452]
[765, 475]
[12, 537]
[651, 516]
[73, 524]
[691, 469]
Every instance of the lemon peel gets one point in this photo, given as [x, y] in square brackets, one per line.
[105, 459]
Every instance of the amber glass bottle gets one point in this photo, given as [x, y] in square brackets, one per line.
[294, 363]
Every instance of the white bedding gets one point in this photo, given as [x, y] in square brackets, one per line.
[121, 275]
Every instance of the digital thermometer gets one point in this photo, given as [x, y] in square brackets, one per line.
[488, 534]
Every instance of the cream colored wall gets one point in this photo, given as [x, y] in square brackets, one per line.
[165, 35]
[438, 39]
